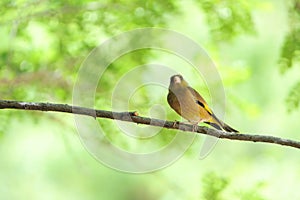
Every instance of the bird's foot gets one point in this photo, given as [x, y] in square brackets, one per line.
[175, 123]
[195, 128]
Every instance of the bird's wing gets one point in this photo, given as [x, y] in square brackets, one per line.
[216, 122]
[199, 100]
[173, 102]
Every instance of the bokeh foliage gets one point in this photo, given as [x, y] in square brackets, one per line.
[290, 52]
[43, 44]
[227, 19]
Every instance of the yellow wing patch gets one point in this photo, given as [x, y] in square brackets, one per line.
[204, 106]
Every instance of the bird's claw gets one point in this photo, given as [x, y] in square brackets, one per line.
[195, 128]
[174, 124]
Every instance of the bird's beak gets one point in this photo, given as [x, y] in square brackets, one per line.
[177, 80]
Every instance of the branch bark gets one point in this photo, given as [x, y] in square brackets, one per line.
[134, 118]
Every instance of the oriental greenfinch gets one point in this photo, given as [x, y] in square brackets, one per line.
[189, 104]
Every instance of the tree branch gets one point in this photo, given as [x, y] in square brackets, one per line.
[133, 117]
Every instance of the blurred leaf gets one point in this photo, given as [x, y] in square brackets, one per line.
[293, 98]
[227, 18]
[213, 186]
[290, 51]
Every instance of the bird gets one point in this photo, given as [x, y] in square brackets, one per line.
[189, 104]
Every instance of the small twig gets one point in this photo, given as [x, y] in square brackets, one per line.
[133, 117]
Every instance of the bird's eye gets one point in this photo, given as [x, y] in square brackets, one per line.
[181, 78]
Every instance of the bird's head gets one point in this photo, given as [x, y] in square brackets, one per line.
[177, 82]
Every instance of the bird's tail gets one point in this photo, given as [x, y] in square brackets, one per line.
[228, 128]
[218, 124]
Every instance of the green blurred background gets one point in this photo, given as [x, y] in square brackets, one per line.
[255, 45]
